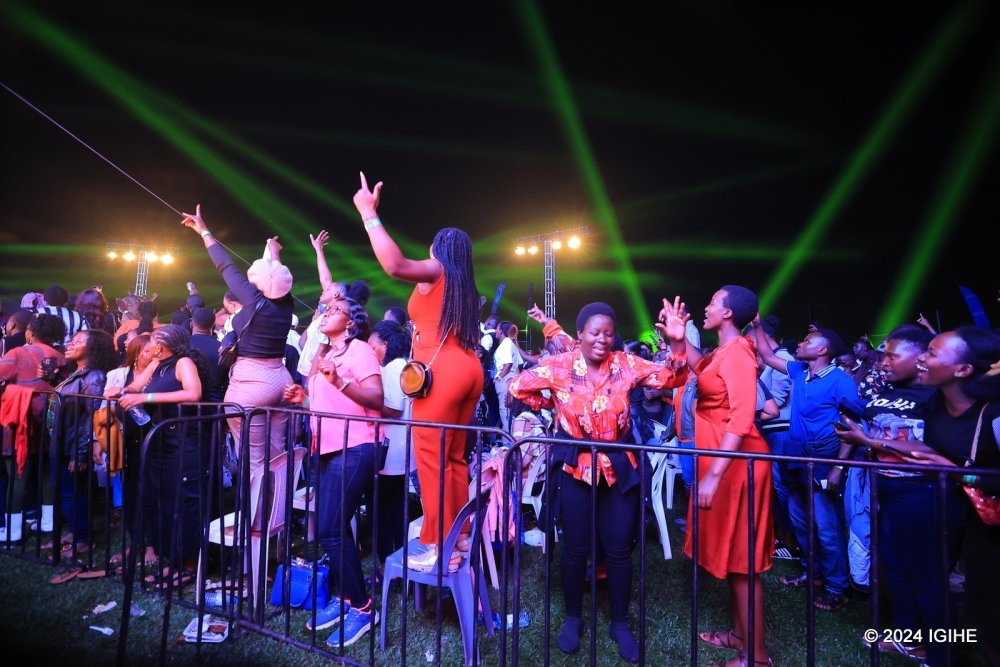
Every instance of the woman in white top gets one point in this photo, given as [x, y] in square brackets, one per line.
[508, 363]
[391, 343]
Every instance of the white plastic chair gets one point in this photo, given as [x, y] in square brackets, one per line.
[226, 529]
[666, 467]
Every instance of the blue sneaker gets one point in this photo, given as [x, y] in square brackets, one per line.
[356, 624]
[329, 615]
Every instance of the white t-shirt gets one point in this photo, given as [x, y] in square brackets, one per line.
[314, 337]
[507, 354]
[394, 398]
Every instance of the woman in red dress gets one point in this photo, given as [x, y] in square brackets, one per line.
[724, 420]
[444, 308]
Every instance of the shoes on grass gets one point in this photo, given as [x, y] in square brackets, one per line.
[330, 615]
[356, 624]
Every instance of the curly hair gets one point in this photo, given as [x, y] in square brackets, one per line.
[396, 338]
[48, 329]
[460, 307]
[100, 350]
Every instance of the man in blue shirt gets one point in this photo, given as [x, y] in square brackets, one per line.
[816, 392]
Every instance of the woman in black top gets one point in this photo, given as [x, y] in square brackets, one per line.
[259, 376]
[964, 365]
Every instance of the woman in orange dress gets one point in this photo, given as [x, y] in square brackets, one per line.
[444, 308]
[724, 420]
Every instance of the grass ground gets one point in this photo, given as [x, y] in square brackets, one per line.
[52, 623]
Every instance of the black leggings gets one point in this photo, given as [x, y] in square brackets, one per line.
[615, 522]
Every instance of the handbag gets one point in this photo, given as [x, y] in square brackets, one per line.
[228, 345]
[302, 592]
[415, 379]
[987, 507]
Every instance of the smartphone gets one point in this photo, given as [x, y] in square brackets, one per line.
[841, 426]
[852, 409]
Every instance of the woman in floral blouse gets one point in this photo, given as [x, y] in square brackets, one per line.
[589, 390]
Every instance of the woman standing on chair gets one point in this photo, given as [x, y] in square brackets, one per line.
[345, 379]
[724, 420]
[444, 308]
[259, 376]
[589, 389]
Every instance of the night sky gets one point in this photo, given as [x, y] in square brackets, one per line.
[842, 163]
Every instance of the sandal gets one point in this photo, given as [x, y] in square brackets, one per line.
[66, 572]
[721, 639]
[178, 578]
[66, 540]
[741, 661]
[831, 602]
[800, 581]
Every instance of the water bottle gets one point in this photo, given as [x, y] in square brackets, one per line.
[219, 598]
[139, 416]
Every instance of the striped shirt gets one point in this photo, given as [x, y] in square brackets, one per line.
[74, 321]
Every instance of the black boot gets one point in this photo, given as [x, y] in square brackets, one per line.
[628, 647]
[569, 638]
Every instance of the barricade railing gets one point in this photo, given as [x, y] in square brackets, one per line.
[251, 609]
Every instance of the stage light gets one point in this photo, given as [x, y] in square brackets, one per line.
[145, 254]
[551, 241]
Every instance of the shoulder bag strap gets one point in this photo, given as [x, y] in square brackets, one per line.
[975, 438]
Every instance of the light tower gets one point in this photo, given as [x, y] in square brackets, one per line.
[551, 242]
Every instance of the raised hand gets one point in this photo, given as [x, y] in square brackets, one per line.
[319, 240]
[537, 314]
[673, 319]
[194, 221]
[366, 200]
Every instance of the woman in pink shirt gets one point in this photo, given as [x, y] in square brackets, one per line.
[345, 379]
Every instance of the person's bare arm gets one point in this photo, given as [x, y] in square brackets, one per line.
[389, 256]
[318, 242]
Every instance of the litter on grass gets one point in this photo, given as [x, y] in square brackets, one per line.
[107, 606]
[104, 631]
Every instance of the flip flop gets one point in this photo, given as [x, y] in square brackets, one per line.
[66, 573]
[175, 580]
[92, 574]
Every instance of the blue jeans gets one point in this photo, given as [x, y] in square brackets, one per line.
[776, 441]
[857, 513]
[830, 557]
[345, 479]
[687, 462]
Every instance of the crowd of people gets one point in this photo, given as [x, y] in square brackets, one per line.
[919, 398]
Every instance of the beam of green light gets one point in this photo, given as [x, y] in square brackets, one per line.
[903, 101]
[138, 98]
[561, 98]
[387, 65]
[963, 167]
[653, 205]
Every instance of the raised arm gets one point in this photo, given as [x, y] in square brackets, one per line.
[672, 325]
[764, 350]
[393, 262]
[318, 242]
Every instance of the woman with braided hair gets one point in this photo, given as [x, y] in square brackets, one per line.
[177, 456]
[444, 307]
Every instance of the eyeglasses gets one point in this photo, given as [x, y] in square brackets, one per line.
[326, 310]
